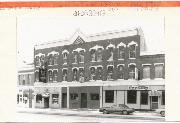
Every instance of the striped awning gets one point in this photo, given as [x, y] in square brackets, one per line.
[154, 93]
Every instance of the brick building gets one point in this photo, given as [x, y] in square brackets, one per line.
[99, 70]
[25, 87]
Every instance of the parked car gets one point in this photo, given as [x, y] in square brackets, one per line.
[121, 109]
[161, 112]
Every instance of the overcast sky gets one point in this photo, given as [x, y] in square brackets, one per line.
[35, 30]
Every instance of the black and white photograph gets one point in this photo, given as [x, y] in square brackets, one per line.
[91, 69]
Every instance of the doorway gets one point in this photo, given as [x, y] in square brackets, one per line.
[154, 102]
[46, 102]
[83, 100]
[64, 100]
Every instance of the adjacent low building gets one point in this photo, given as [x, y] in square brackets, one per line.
[99, 70]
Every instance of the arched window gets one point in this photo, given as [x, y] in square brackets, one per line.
[81, 74]
[111, 53]
[92, 73]
[110, 70]
[99, 54]
[99, 73]
[37, 61]
[120, 72]
[50, 59]
[75, 74]
[50, 76]
[132, 51]
[37, 76]
[55, 59]
[132, 71]
[93, 54]
[81, 55]
[75, 57]
[121, 52]
[65, 72]
[55, 75]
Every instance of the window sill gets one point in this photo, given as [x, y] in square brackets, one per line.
[81, 62]
[109, 60]
[132, 58]
[93, 61]
[74, 63]
[120, 59]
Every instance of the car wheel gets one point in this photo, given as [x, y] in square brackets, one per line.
[105, 112]
[125, 112]
[162, 113]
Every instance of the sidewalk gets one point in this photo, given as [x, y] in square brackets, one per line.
[92, 113]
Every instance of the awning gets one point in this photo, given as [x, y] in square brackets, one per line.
[154, 93]
[45, 95]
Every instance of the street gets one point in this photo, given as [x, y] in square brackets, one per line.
[29, 117]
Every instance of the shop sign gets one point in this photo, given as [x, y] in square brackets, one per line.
[138, 87]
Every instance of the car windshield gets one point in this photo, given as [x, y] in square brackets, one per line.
[123, 106]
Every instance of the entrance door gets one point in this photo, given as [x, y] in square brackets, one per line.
[83, 100]
[46, 102]
[64, 100]
[154, 102]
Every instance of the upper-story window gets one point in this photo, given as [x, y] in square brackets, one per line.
[132, 49]
[99, 73]
[65, 56]
[132, 72]
[81, 55]
[65, 72]
[50, 75]
[92, 73]
[81, 74]
[36, 76]
[75, 57]
[120, 71]
[93, 54]
[121, 50]
[55, 59]
[146, 71]
[39, 59]
[158, 70]
[99, 54]
[75, 74]
[55, 75]
[50, 59]
[110, 70]
[110, 49]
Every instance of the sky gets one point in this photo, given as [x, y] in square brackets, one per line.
[40, 29]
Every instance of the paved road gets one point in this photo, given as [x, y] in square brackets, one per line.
[29, 117]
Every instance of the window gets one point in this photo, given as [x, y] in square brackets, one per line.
[159, 71]
[50, 76]
[65, 57]
[163, 98]
[131, 96]
[93, 73]
[99, 54]
[110, 49]
[146, 71]
[81, 74]
[41, 60]
[74, 96]
[81, 56]
[50, 59]
[64, 74]
[75, 74]
[56, 59]
[132, 51]
[131, 71]
[144, 97]
[99, 73]
[109, 96]
[121, 71]
[110, 73]
[55, 75]
[93, 55]
[55, 98]
[94, 96]
[37, 76]
[38, 98]
[42, 74]
[75, 57]
[121, 52]
[37, 61]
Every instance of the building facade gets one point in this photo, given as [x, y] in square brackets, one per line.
[99, 70]
[25, 87]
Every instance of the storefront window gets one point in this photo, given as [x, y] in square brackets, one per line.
[159, 71]
[109, 96]
[144, 97]
[74, 96]
[94, 96]
[163, 98]
[64, 74]
[38, 98]
[146, 72]
[131, 96]
[55, 98]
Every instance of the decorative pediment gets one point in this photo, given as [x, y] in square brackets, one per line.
[79, 40]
